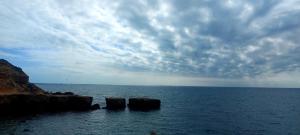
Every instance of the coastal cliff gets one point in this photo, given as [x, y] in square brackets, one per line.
[14, 81]
[18, 95]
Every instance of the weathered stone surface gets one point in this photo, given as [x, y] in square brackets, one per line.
[142, 103]
[8, 70]
[14, 81]
[115, 103]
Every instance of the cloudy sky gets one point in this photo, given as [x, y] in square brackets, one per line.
[166, 42]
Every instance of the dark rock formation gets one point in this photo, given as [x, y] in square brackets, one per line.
[153, 133]
[143, 104]
[115, 103]
[26, 130]
[62, 93]
[18, 96]
[95, 107]
[33, 103]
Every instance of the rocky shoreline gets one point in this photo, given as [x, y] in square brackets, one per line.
[31, 103]
[19, 96]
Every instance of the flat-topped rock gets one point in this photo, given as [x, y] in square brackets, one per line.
[31, 103]
[143, 103]
[115, 103]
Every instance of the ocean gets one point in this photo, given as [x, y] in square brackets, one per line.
[184, 111]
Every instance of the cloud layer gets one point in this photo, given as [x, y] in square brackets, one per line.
[230, 42]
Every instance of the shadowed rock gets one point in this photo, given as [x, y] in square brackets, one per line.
[153, 133]
[62, 93]
[115, 103]
[143, 104]
[95, 107]
[29, 103]
[18, 96]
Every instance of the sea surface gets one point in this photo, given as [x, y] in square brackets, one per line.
[184, 111]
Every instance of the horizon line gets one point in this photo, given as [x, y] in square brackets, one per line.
[145, 85]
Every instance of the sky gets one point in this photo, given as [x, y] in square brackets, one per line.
[156, 42]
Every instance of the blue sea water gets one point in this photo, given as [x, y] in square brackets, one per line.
[184, 111]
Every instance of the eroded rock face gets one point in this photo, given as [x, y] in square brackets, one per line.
[8, 70]
[143, 104]
[14, 81]
[115, 103]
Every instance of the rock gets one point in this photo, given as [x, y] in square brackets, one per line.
[23, 121]
[26, 130]
[57, 93]
[68, 103]
[95, 107]
[30, 103]
[143, 104]
[115, 103]
[8, 70]
[153, 133]
[14, 81]
[19, 96]
[63, 93]
[69, 93]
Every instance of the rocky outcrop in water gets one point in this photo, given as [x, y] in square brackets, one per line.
[143, 104]
[33, 103]
[18, 95]
[115, 103]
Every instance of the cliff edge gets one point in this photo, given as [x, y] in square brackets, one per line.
[14, 81]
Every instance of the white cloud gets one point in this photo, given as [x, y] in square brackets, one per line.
[158, 42]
